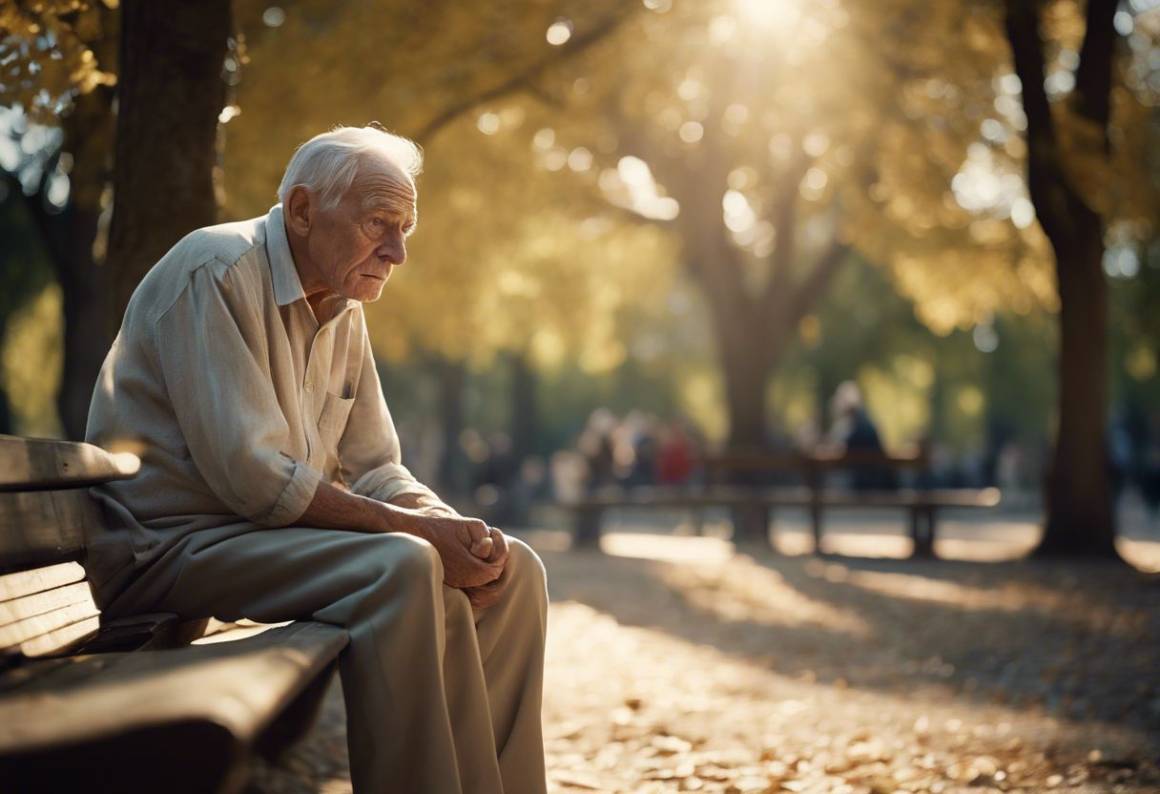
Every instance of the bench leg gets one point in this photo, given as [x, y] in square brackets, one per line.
[816, 526]
[750, 525]
[931, 522]
[298, 718]
[587, 534]
[922, 532]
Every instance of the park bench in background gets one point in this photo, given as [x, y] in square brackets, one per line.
[749, 484]
[126, 705]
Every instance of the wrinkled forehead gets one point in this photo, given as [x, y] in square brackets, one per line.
[380, 184]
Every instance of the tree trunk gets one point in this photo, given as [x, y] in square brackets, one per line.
[169, 94]
[69, 238]
[746, 364]
[1080, 514]
[745, 384]
[746, 377]
[89, 323]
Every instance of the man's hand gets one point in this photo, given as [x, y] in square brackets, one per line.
[481, 542]
[471, 556]
[486, 595]
[469, 551]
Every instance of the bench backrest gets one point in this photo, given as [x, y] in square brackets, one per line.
[721, 468]
[46, 517]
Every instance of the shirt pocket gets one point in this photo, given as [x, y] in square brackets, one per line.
[331, 425]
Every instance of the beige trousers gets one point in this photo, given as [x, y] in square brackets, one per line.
[440, 699]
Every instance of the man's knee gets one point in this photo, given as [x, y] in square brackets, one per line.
[526, 566]
[409, 562]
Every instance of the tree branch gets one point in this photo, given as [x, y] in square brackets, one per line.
[632, 216]
[524, 79]
[785, 224]
[810, 290]
[1027, 51]
[790, 306]
[1093, 77]
[1057, 203]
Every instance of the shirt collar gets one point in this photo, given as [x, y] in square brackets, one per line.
[287, 284]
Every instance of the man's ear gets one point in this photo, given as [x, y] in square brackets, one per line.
[299, 211]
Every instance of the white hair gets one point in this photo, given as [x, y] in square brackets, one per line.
[328, 163]
[847, 398]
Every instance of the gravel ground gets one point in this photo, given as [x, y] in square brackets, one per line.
[678, 664]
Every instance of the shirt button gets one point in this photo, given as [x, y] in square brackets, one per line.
[309, 387]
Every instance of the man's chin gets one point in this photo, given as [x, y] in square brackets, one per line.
[371, 288]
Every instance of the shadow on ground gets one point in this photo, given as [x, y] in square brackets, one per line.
[1077, 641]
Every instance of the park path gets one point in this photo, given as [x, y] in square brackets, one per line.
[675, 664]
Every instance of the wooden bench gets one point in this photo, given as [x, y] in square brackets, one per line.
[739, 481]
[127, 705]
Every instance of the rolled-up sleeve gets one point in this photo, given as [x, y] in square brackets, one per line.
[209, 344]
[369, 449]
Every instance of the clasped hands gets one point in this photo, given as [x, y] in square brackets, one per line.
[474, 555]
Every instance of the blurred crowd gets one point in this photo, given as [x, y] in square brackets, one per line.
[643, 449]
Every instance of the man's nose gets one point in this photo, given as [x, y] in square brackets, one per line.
[394, 250]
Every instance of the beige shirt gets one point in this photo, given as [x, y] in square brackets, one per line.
[237, 397]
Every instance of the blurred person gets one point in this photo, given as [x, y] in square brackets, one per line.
[854, 431]
[643, 431]
[677, 456]
[625, 436]
[568, 472]
[272, 487]
[596, 445]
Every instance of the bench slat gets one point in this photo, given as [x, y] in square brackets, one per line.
[39, 527]
[24, 583]
[18, 635]
[39, 463]
[238, 686]
[727, 496]
[61, 639]
[46, 601]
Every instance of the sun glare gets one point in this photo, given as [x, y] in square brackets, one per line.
[767, 14]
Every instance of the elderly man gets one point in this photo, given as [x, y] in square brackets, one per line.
[271, 486]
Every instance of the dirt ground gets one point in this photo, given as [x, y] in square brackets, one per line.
[680, 664]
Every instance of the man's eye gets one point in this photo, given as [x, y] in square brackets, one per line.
[378, 223]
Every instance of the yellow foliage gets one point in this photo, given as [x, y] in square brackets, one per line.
[898, 401]
[885, 129]
[507, 254]
[505, 257]
[970, 400]
[42, 79]
[403, 65]
[905, 110]
[1141, 362]
[703, 402]
[793, 398]
[31, 362]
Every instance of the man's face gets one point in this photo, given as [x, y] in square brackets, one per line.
[357, 244]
